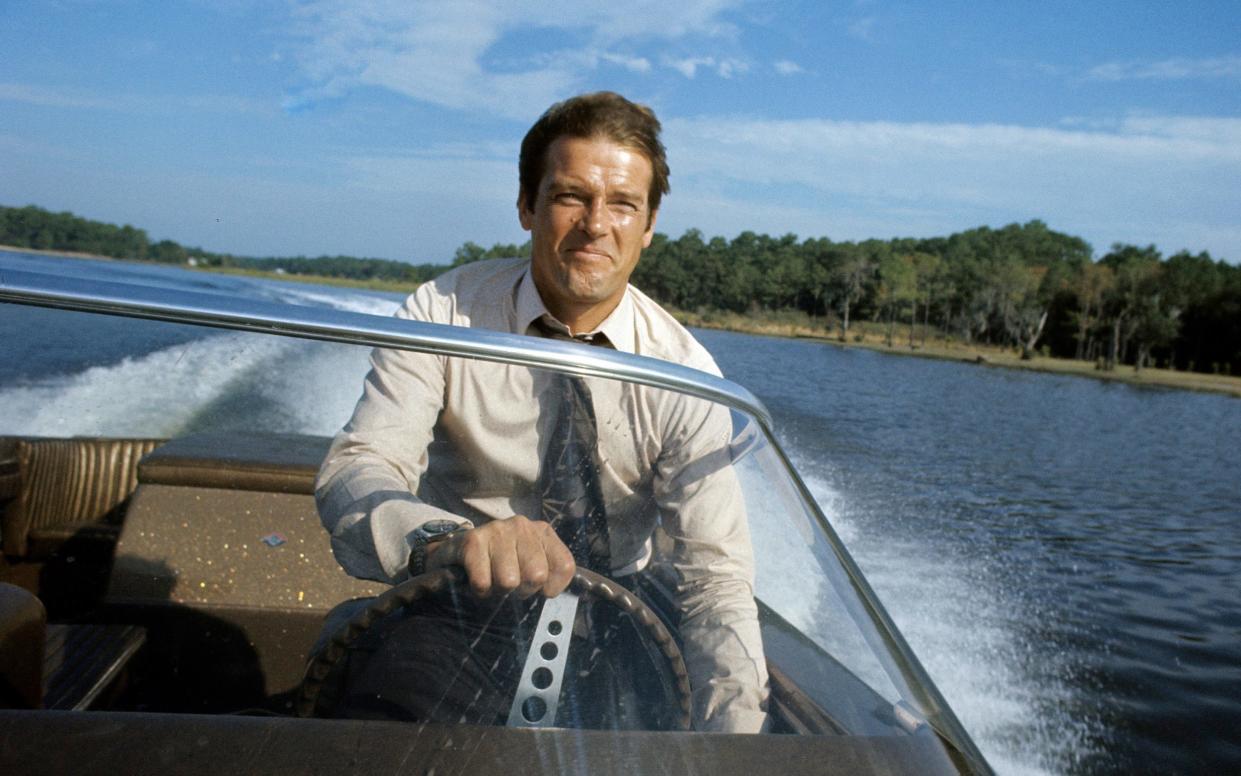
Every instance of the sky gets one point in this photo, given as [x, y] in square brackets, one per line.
[390, 128]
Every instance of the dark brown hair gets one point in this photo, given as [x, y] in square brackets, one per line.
[600, 114]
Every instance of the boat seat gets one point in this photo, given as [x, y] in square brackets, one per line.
[22, 628]
[254, 575]
[270, 463]
[67, 488]
[65, 667]
[10, 477]
[81, 661]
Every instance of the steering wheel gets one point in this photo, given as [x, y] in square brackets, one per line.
[311, 699]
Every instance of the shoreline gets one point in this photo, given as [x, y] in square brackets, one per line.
[67, 254]
[322, 280]
[977, 355]
[861, 336]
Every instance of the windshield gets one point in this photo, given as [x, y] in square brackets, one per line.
[225, 530]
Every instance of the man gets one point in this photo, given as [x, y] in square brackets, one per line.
[443, 460]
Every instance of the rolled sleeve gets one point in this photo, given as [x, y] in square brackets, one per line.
[365, 491]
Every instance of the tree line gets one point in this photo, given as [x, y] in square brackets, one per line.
[34, 227]
[1023, 286]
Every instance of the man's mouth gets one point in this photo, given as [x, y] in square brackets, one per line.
[589, 254]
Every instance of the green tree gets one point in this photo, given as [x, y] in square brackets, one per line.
[1124, 305]
[897, 289]
[1091, 286]
[853, 275]
[470, 252]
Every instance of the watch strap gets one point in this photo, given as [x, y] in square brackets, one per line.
[418, 551]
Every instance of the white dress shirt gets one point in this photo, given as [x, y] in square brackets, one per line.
[436, 437]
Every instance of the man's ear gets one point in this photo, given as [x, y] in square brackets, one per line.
[650, 229]
[524, 214]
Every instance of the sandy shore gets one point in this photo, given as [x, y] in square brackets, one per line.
[319, 280]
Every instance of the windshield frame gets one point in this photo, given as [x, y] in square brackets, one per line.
[329, 325]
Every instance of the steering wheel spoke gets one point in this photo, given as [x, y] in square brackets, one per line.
[538, 691]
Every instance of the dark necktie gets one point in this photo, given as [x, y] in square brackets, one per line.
[569, 480]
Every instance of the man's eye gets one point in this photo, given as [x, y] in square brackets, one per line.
[569, 198]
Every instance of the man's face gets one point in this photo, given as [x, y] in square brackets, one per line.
[588, 224]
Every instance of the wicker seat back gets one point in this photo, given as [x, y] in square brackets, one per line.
[68, 484]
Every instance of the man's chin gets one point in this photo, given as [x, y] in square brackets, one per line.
[588, 290]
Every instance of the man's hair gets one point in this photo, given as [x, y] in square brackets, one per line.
[600, 114]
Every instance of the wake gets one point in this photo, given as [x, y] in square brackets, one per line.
[219, 381]
[959, 620]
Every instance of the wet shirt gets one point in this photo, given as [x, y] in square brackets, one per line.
[437, 437]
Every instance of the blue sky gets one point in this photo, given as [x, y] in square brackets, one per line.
[391, 128]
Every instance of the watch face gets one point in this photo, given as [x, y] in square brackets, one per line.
[434, 527]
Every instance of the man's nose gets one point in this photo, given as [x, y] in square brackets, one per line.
[596, 218]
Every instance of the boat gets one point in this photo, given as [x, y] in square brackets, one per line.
[162, 599]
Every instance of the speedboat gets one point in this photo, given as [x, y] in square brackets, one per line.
[162, 598]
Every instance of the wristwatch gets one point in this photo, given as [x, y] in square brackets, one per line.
[426, 534]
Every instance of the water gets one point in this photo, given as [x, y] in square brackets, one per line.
[1063, 554]
[1079, 541]
[74, 373]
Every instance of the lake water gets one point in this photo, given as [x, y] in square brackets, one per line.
[1063, 554]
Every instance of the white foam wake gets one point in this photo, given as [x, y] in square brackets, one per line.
[154, 395]
[315, 385]
[960, 621]
[358, 302]
[264, 382]
[228, 381]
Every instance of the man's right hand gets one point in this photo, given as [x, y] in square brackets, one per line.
[504, 556]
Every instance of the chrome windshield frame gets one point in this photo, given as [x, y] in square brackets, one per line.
[326, 324]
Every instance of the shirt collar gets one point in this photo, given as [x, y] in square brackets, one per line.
[617, 327]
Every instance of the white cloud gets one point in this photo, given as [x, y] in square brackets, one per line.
[1218, 131]
[1176, 69]
[436, 51]
[727, 68]
[34, 152]
[786, 67]
[802, 143]
[48, 97]
[636, 64]
[1173, 181]
[460, 176]
[689, 67]
[864, 29]
[612, 22]
[724, 68]
[418, 208]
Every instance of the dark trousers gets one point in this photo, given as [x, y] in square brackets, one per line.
[457, 659]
